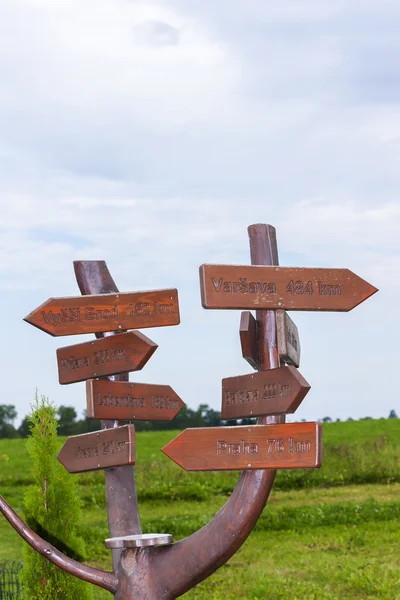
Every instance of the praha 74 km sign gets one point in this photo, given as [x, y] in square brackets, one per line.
[287, 446]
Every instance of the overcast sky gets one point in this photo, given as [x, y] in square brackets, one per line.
[151, 134]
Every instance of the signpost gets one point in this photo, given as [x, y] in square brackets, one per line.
[261, 287]
[131, 401]
[285, 446]
[267, 341]
[106, 356]
[106, 312]
[273, 392]
[287, 339]
[99, 450]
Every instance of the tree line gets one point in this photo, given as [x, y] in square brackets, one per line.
[69, 424]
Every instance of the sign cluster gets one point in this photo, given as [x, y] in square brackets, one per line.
[124, 352]
[268, 392]
[277, 391]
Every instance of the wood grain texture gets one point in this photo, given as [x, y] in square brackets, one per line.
[99, 450]
[248, 338]
[106, 356]
[131, 401]
[283, 446]
[93, 277]
[288, 339]
[247, 287]
[106, 312]
[273, 392]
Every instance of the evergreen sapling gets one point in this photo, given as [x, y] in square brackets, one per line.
[52, 509]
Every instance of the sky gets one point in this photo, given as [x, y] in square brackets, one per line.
[151, 134]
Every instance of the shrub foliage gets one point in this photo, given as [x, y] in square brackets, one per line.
[52, 509]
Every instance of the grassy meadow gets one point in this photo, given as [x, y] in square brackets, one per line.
[326, 533]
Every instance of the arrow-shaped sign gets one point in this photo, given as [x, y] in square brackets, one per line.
[285, 446]
[99, 450]
[106, 356]
[272, 392]
[260, 287]
[131, 401]
[288, 340]
[248, 338]
[106, 312]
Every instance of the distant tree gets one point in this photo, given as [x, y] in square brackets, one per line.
[327, 420]
[24, 428]
[248, 421]
[392, 415]
[8, 414]
[87, 425]
[211, 417]
[337, 420]
[67, 424]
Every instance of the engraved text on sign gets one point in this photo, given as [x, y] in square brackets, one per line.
[272, 392]
[105, 356]
[137, 401]
[99, 450]
[284, 446]
[258, 287]
[106, 312]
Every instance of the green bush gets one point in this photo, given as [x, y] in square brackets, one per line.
[52, 509]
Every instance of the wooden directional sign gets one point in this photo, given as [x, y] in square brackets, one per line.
[272, 392]
[285, 446]
[99, 450]
[248, 338]
[106, 312]
[247, 287]
[126, 401]
[106, 356]
[287, 339]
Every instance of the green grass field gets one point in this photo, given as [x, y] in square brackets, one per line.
[327, 533]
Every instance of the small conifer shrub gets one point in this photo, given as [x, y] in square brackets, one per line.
[52, 509]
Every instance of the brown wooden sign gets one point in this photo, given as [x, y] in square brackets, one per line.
[106, 312]
[260, 287]
[285, 446]
[272, 392]
[127, 401]
[106, 356]
[99, 450]
[287, 339]
[248, 338]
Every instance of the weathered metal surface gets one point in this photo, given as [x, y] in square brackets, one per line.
[273, 392]
[288, 339]
[131, 401]
[169, 571]
[139, 541]
[93, 277]
[248, 338]
[106, 312]
[286, 446]
[107, 356]
[247, 287]
[99, 450]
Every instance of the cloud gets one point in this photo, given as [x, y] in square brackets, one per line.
[150, 134]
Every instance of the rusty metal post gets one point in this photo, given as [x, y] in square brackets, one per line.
[93, 277]
[166, 572]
